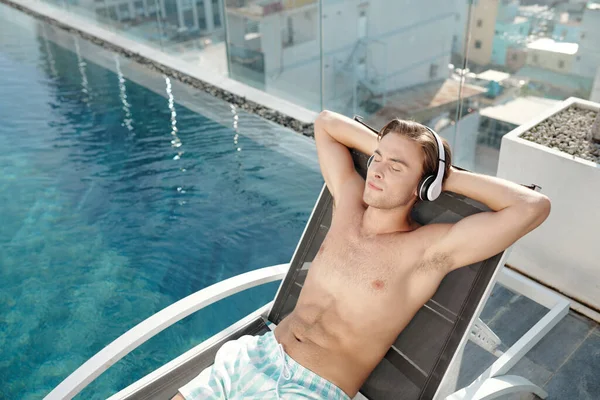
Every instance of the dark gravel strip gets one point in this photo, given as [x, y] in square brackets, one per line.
[239, 101]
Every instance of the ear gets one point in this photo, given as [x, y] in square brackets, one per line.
[416, 194]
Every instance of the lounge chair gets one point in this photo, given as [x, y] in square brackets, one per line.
[422, 363]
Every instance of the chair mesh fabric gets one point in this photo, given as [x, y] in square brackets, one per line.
[420, 356]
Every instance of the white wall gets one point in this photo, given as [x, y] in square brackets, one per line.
[236, 26]
[297, 80]
[551, 60]
[589, 50]
[563, 252]
[305, 24]
[411, 36]
[270, 34]
[464, 145]
[595, 95]
[340, 24]
[420, 37]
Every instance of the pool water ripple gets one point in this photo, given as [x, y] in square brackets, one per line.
[115, 202]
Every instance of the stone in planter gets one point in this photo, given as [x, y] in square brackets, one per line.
[555, 151]
[569, 131]
[596, 129]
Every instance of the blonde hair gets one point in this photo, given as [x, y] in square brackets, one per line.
[420, 134]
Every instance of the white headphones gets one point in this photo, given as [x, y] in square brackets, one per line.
[430, 186]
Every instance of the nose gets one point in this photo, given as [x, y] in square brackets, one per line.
[376, 172]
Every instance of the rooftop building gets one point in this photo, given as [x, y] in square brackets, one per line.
[550, 45]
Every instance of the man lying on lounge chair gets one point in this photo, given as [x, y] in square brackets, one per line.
[376, 266]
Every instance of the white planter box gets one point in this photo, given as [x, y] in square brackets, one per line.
[563, 253]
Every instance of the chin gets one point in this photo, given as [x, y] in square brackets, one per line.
[373, 201]
[384, 203]
[368, 199]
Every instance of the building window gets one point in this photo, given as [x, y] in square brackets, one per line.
[514, 57]
[433, 71]
[561, 64]
[479, 23]
[362, 24]
[289, 40]
[101, 12]
[583, 35]
[216, 13]
[201, 15]
[251, 26]
[535, 58]
[124, 10]
[478, 44]
[112, 13]
[578, 58]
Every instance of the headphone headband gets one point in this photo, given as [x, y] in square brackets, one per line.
[441, 154]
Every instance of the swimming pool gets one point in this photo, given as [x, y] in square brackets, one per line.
[122, 191]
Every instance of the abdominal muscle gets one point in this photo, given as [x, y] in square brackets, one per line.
[341, 330]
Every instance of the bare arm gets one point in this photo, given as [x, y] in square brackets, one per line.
[516, 212]
[334, 135]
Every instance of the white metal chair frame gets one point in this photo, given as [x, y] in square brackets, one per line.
[489, 385]
[494, 382]
[151, 326]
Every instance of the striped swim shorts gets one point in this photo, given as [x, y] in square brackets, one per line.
[257, 367]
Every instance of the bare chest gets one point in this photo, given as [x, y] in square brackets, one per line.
[346, 259]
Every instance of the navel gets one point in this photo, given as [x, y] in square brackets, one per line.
[378, 284]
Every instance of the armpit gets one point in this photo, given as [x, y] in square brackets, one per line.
[436, 262]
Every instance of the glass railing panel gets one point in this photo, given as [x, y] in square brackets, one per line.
[529, 57]
[397, 59]
[275, 46]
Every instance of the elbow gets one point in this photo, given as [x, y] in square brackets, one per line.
[544, 207]
[540, 208]
[324, 117]
[322, 121]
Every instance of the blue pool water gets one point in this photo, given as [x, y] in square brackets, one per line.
[115, 202]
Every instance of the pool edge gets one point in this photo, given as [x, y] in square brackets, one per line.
[245, 97]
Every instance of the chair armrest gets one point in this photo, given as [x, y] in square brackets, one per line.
[156, 323]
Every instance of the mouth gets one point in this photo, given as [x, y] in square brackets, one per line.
[374, 187]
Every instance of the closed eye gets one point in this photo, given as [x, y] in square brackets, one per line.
[396, 162]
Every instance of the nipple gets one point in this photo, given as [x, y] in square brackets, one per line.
[378, 284]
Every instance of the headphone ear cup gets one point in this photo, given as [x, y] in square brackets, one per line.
[424, 187]
[369, 161]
